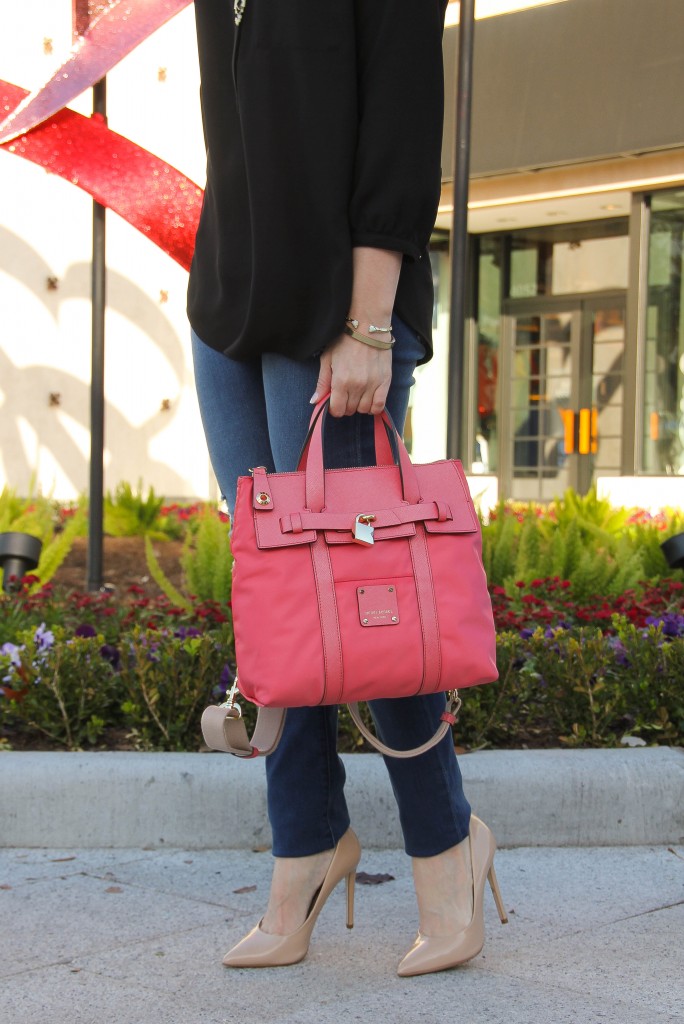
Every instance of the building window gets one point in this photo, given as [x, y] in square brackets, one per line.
[663, 441]
[489, 267]
[569, 259]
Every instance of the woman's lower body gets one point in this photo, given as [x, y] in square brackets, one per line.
[257, 413]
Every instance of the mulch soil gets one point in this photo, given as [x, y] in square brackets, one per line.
[124, 565]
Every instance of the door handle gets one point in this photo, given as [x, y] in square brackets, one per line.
[580, 430]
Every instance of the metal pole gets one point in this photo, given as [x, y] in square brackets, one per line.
[459, 231]
[99, 302]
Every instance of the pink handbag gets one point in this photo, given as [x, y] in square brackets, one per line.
[354, 584]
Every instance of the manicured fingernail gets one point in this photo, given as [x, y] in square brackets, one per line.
[314, 398]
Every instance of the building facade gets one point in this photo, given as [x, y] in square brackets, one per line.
[575, 342]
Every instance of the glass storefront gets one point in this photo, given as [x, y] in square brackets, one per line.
[549, 359]
[568, 259]
[550, 314]
[663, 422]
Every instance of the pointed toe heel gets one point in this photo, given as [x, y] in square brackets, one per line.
[432, 953]
[261, 949]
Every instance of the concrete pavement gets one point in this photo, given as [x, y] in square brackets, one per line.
[136, 937]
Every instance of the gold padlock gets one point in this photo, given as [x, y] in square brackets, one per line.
[363, 531]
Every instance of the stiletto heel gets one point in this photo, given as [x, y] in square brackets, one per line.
[351, 881]
[430, 953]
[261, 949]
[496, 893]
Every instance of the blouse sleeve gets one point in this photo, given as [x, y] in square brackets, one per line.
[397, 172]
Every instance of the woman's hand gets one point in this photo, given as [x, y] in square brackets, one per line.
[356, 375]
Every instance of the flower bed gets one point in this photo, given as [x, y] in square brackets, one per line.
[590, 643]
[92, 671]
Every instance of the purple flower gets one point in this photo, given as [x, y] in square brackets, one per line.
[85, 630]
[225, 682]
[185, 632]
[619, 651]
[43, 637]
[525, 634]
[13, 652]
[672, 625]
[112, 655]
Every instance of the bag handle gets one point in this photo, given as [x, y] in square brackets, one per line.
[384, 453]
[224, 729]
[314, 468]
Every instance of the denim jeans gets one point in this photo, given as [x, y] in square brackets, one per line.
[257, 414]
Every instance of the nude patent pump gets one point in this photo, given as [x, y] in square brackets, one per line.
[432, 953]
[260, 949]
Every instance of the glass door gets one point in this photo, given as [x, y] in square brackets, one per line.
[564, 398]
[602, 389]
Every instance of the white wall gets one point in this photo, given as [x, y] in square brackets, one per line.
[45, 231]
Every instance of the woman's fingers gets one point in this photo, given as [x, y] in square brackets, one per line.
[361, 377]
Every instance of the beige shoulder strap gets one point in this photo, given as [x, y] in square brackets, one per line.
[224, 729]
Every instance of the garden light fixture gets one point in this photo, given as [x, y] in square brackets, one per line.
[19, 553]
[673, 549]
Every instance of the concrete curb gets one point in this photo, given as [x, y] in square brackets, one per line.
[204, 801]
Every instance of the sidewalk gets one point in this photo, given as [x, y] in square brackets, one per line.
[136, 937]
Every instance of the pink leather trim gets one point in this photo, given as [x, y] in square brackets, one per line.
[400, 514]
[427, 607]
[261, 489]
[330, 625]
[315, 479]
[384, 533]
[463, 504]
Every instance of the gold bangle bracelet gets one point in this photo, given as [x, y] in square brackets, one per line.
[372, 329]
[373, 342]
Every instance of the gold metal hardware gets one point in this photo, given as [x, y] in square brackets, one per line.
[234, 710]
[263, 498]
[454, 699]
[365, 621]
[391, 590]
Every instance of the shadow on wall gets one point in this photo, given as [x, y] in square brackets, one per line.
[20, 261]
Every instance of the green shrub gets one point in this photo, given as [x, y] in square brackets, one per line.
[576, 687]
[579, 688]
[61, 691]
[127, 513]
[54, 553]
[599, 549]
[167, 681]
[32, 515]
[207, 559]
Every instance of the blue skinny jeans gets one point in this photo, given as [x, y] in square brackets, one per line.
[257, 414]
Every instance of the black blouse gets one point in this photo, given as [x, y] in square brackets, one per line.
[323, 127]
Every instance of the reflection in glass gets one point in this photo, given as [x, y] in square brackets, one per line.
[569, 259]
[663, 438]
[607, 396]
[489, 291]
[541, 384]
